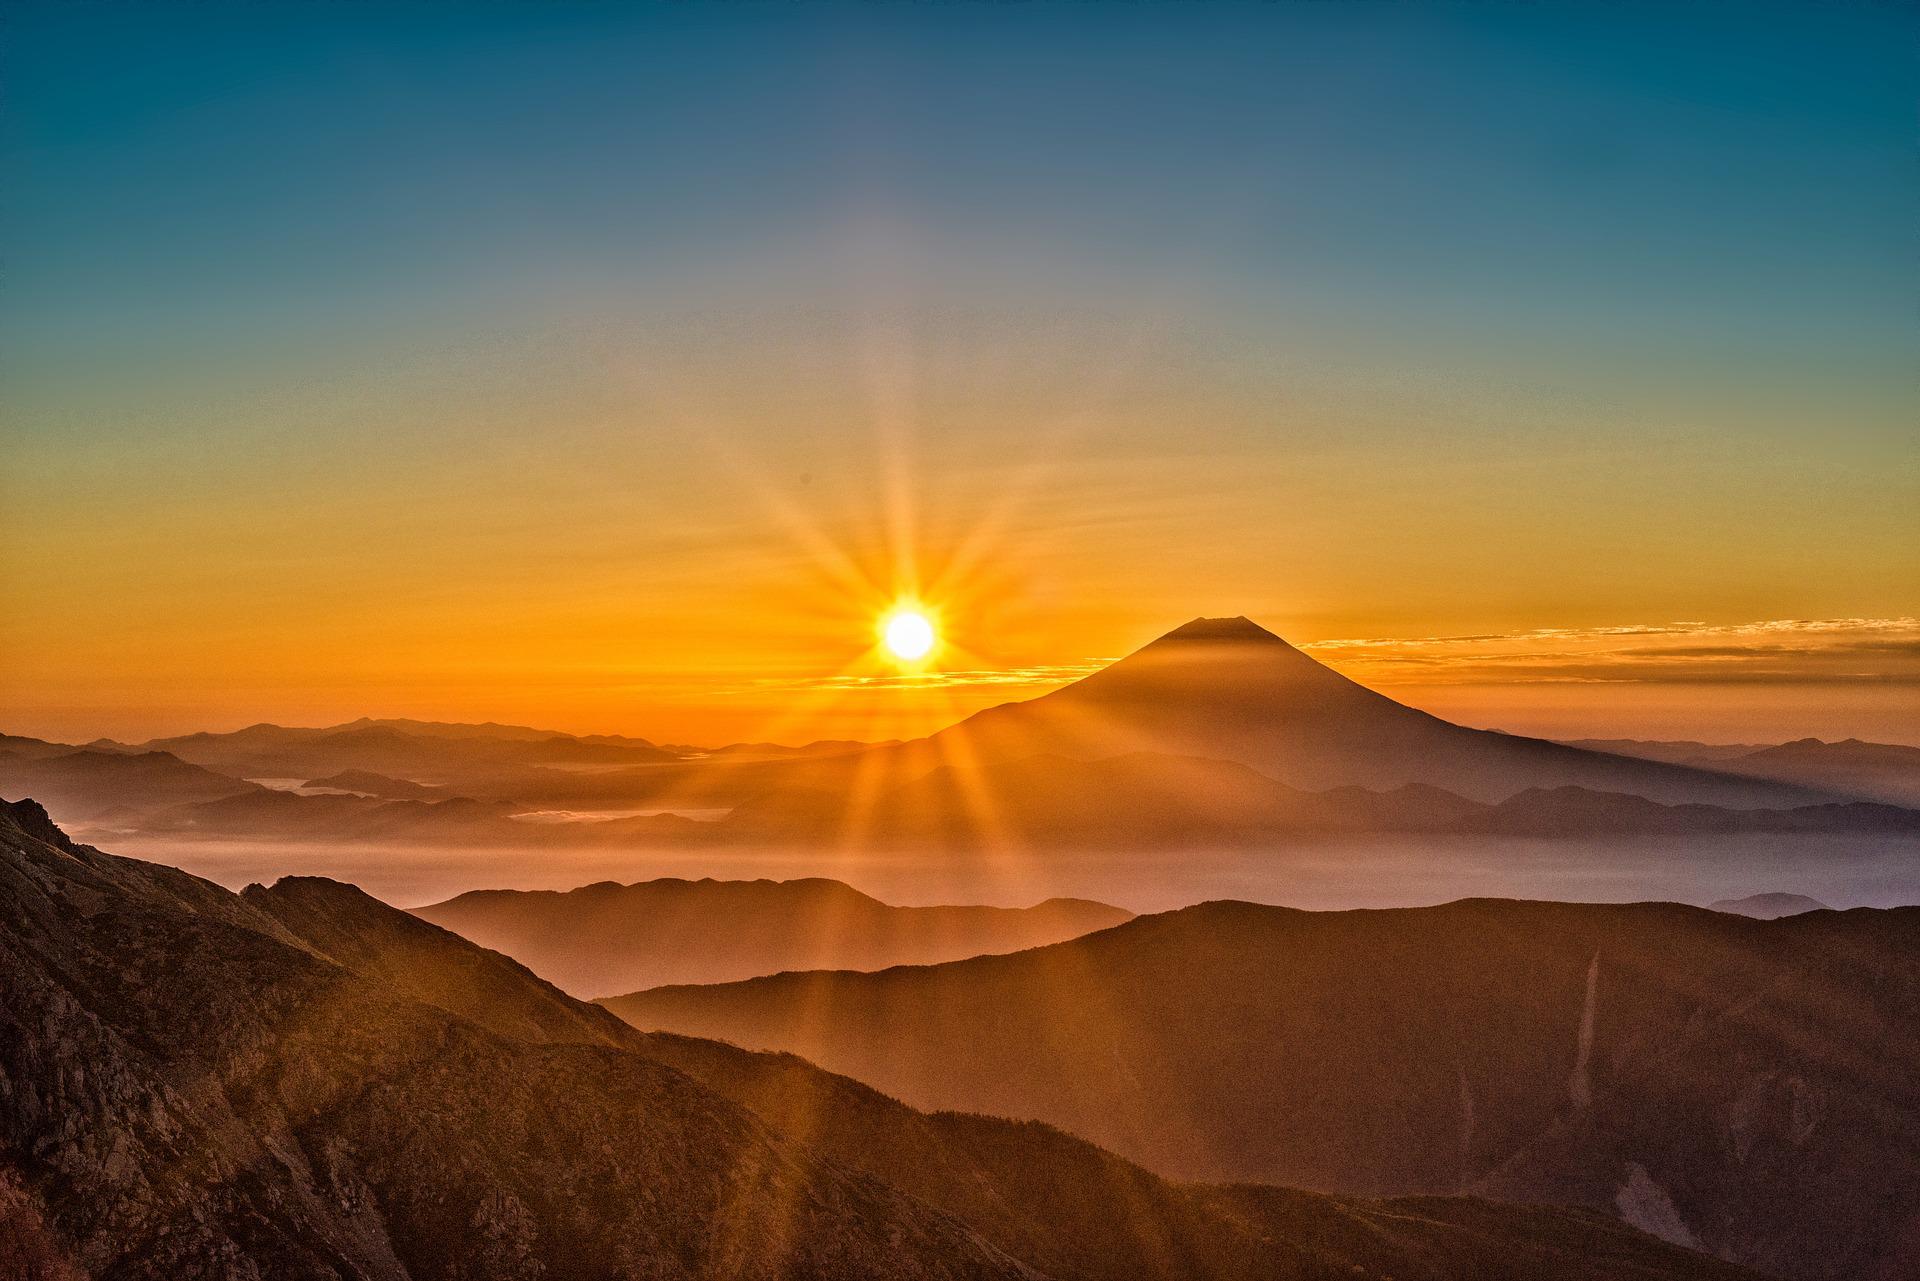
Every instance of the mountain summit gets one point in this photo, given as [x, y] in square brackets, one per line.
[1229, 689]
[1237, 628]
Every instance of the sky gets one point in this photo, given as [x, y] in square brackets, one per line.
[613, 368]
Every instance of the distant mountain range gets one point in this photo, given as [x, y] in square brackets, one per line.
[607, 938]
[1228, 689]
[1217, 732]
[1738, 1084]
[1768, 907]
[1875, 771]
[302, 1083]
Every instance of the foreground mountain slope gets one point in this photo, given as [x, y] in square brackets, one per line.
[1227, 688]
[1693, 1071]
[1054, 1201]
[301, 1082]
[193, 1094]
[606, 938]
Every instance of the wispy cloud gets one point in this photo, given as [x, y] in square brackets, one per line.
[1770, 651]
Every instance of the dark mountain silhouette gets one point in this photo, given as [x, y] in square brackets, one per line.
[1141, 798]
[423, 752]
[1741, 1084]
[367, 783]
[1147, 799]
[614, 938]
[20, 745]
[1226, 688]
[265, 812]
[1881, 771]
[84, 784]
[268, 814]
[1576, 811]
[1219, 730]
[1673, 751]
[1769, 907]
[301, 1082]
[778, 751]
[1888, 772]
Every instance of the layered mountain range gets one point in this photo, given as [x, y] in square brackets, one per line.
[1741, 1085]
[300, 1082]
[1218, 732]
[606, 937]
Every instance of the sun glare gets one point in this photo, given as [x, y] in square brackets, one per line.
[908, 634]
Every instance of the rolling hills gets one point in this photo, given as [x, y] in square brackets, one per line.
[300, 1082]
[608, 937]
[1693, 1071]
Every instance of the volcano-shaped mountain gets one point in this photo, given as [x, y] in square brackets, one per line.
[1228, 689]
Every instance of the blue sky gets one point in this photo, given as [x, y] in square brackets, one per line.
[1379, 319]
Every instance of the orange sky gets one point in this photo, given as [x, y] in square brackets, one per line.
[655, 547]
[321, 402]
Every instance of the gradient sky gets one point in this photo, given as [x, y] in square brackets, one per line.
[609, 367]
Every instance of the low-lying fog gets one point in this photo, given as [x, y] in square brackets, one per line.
[1842, 871]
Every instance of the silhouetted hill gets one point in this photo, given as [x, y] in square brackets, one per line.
[1742, 1084]
[20, 745]
[1888, 772]
[1769, 907]
[1229, 689]
[83, 784]
[614, 938]
[193, 1092]
[367, 783]
[423, 752]
[1882, 771]
[1576, 811]
[1150, 799]
[302, 1083]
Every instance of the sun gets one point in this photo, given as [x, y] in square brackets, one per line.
[907, 634]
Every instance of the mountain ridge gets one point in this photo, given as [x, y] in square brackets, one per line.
[1532, 1051]
[302, 1082]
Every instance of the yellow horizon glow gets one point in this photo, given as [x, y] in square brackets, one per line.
[693, 543]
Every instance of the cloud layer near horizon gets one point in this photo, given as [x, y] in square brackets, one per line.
[1771, 651]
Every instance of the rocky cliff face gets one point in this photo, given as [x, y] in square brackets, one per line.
[303, 1083]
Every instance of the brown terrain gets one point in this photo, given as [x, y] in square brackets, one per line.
[1738, 1084]
[607, 938]
[300, 1082]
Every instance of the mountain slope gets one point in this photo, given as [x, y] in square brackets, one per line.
[1768, 907]
[1888, 772]
[193, 1093]
[1051, 1200]
[1229, 689]
[1695, 1070]
[606, 938]
[302, 1082]
[1154, 800]
[421, 751]
[84, 784]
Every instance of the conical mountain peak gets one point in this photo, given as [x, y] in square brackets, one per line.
[1237, 628]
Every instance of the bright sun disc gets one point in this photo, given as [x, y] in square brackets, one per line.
[908, 635]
